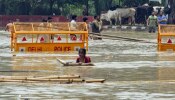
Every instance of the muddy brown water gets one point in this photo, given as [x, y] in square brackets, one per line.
[133, 71]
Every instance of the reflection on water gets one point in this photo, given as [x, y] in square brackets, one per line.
[132, 70]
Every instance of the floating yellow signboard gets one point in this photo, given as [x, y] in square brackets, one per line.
[166, 37]
[44, 36]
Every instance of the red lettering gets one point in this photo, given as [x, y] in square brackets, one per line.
[31, 49]
[67, 49]
[39, 49]
[62, 48]
[34, 49]
[57, 48]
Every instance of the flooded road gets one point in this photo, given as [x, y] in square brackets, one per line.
[133, 71]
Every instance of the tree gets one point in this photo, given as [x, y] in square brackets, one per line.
[48, 7]
[23, 8]
[51, 3]
[2, 7]
[134, 3]
[130, 3]
[172, 14]
[102, 5]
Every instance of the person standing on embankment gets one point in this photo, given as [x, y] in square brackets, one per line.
[152, 23]
[9, 26]
[97, 26]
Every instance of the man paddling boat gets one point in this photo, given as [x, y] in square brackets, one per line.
[82, 60]
[82, 56]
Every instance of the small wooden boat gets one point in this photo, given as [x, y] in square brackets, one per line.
[74, 64]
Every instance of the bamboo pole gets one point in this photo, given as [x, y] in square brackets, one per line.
[95, 81]
[46, 77]
[56, 80]
[21, 81]
[60, 77]
[15, 77]
[33, 80]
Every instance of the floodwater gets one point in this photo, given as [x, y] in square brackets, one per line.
[133, 70]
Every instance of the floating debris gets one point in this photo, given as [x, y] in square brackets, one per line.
[61, 79]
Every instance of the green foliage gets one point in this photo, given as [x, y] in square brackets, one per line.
[131, 3]
[23, 8]
[155, 3]
[61, 7]
[2, 7]
[11, 7]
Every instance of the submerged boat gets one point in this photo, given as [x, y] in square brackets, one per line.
[74, 64]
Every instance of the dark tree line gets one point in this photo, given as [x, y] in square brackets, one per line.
[172, 13]
[62, 7]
